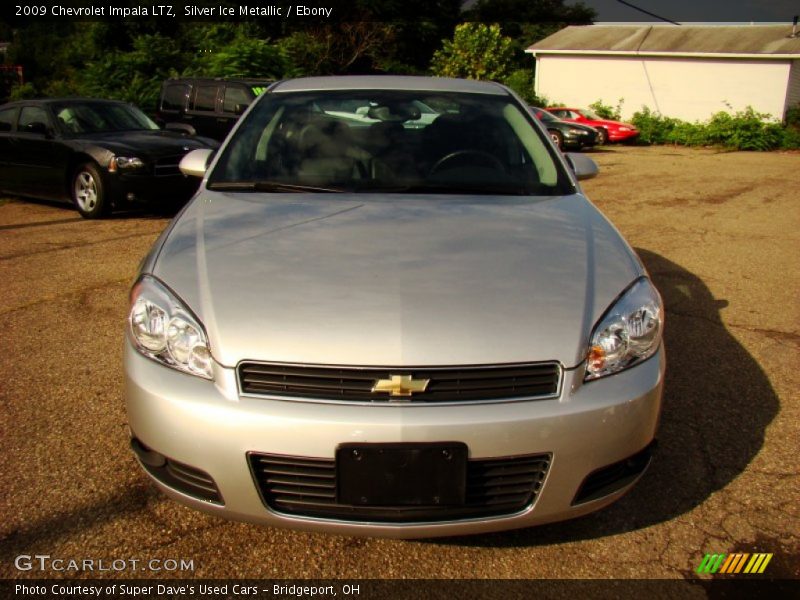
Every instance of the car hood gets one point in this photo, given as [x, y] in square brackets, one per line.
[145, 144]
[395, 280]
[581, 126]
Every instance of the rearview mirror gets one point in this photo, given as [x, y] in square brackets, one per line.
[195, 163]
[583, 166]
[394, 114]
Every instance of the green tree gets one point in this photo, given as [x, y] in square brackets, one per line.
[477, 51]
[135, 75]
[243, 57]
[528, 21]
[357, 47]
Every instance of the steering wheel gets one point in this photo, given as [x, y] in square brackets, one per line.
[482, 157]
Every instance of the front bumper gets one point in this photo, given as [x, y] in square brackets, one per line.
[209, 426]
[621, 136]
[579, 140]
[144, 187]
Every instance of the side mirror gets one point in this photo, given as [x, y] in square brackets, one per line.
[583, 166]
[37, 127]
[195, 163]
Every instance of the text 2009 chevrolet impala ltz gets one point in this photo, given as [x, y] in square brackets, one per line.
[390, 310]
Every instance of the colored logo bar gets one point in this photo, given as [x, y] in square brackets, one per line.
[734, 563]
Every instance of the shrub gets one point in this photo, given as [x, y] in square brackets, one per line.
[543, 101]
[653, 127]
[247, 57]
[521, 81]
[793, 116]
[743, 130]
[790, 138]
[605, 111]
[23, 92]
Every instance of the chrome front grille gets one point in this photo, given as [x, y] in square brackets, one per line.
[167, 165]
[447, 384]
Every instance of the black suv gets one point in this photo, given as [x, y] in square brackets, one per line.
[204, 106]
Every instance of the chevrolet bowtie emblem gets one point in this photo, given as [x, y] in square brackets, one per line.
[401, 385]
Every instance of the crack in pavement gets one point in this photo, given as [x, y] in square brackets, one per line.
[40, 223]
[777, 334]
[77, 245]
[66, 295]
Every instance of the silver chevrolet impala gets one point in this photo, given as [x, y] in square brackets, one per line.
[390, 310]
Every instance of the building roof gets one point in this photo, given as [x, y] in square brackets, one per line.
[751, 41]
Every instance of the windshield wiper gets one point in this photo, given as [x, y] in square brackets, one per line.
[270, 186]
[456, 188]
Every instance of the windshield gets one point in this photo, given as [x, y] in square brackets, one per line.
[98, 117]
[590, 114]
[389, 141]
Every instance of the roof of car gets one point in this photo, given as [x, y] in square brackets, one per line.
[389, 82]
[62, 101]
[245, 80]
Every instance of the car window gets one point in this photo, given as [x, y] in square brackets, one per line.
[97, 117]
[382, 140]
[205, 97]
[545, 116]
[7, 118]
[175, 97]
[32, 114]
[235, 95]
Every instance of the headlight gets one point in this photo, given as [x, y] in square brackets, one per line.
[628, 333]
[624, 128]
[165, 330]
[125, 163]
[576, 131]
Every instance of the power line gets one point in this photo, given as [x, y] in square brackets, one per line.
[628, 4]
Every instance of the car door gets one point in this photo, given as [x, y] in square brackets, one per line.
[203, 113]
[235, 101]
[39, 155]
[8, 119]
[174, 102]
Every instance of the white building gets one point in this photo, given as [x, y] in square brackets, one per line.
[688, 72]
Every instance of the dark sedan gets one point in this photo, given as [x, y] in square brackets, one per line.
[564, 134]
[97, 154]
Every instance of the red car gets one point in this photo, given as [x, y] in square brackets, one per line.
[608, 131]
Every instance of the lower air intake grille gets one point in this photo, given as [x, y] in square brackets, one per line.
[307, 487]
[613, 478]
[187, 480]
[445, 384]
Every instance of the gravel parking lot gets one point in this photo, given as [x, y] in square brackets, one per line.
[720, 234]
